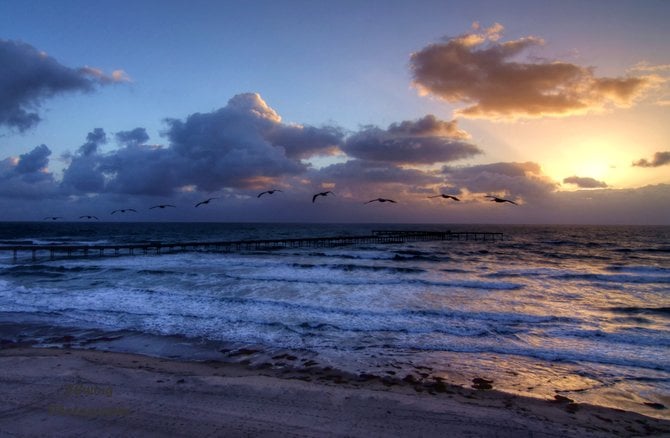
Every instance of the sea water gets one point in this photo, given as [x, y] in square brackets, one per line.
[581, 311]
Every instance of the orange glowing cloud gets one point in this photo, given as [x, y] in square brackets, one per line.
[477, 68]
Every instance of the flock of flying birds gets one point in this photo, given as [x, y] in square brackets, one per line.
[272, 192]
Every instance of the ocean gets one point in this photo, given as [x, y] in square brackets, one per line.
[578, 311]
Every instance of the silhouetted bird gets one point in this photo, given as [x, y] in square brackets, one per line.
[52, 218]
[89, 217]
[206, 201]
[322, 194]
[125, 210]
[497, 199]
[269, 192]
[162, 206]
[381, 200]
[445, 197]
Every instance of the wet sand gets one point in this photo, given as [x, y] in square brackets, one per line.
[70, 392]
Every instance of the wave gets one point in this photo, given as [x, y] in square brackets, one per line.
[657, 249]
[600, 357]
[467, 284]
[352, 267]
[663, 311]
[607, 278]
[633, 336]
[638, 269]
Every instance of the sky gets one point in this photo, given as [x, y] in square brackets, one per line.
[559, 106]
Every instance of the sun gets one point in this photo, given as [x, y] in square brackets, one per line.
[601, 158]
[599, 169]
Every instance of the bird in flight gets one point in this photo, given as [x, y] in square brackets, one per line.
[89, 217]
[162, 206]
[322, 194]
[445, 197]
[497, 199]
[123, 210]
[269, 192]
[52, 218]
[206, 201]
[381, 200]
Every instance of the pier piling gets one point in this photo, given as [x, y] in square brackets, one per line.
[376, 237]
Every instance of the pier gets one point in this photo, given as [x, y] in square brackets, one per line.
[376, 237]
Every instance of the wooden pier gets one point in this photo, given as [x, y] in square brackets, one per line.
[376, 237]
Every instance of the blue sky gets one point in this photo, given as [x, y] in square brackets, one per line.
[348, 65]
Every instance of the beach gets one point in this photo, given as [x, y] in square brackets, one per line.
[72, 392]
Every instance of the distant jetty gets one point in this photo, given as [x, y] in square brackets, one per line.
[152, 247]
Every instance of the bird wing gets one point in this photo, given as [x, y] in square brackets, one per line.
[314, 197]
[391, 200]
[199, 203]
[261, 194]
[132, 209]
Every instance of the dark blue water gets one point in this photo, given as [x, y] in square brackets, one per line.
[580, 310]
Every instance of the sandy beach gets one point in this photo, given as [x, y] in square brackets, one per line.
[69, 392]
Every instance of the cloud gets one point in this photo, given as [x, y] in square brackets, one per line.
[27, 176]
[660, 159]
[425, 141]
[29, 76]
[524, 180]
[241, 145]
[301, 142]
[136, 136]
[361, 180]
[33, 161]
[143, 170]
[584, 182]
[233, 146]
[363, 172]
[83, 174]
[478, 68]
[643, 205]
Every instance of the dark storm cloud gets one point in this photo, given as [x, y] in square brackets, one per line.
[132, 169]
[233, 147]
[305, 141]
[135, 136]
[515, 179]
[356, 172]
[660, 159]
[477, 68]
[27, 177]
[83, 174]
[425, 141]
[93, 140]
[28, 77]
[33, 161]
[141, 170]
[585, 182]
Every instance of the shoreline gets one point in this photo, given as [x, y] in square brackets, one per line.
[64, 392]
